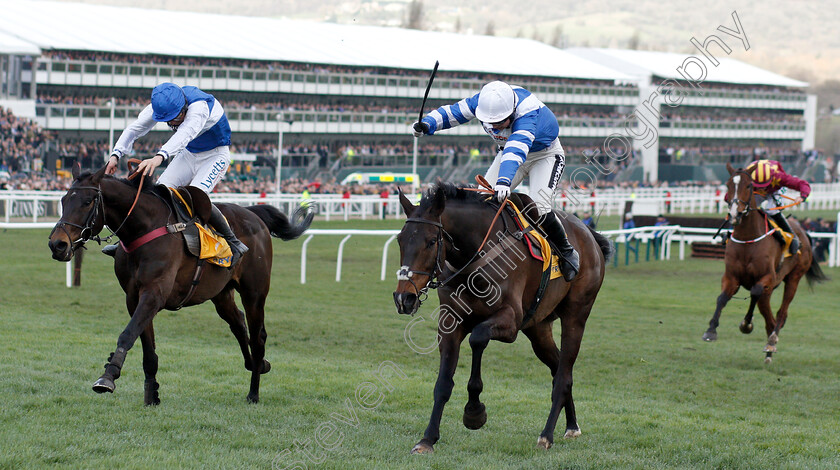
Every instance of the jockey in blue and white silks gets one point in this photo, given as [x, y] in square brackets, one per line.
[199, 149]
[526, 133]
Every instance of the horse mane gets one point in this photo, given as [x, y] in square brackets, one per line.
[451, 192]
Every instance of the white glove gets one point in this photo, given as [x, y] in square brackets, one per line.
[502, 192]
[420, 128]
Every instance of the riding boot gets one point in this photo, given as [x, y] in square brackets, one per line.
[784, 225]
[237, 248]
[110, 250]
[569, 258]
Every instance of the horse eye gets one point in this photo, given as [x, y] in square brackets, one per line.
[432, 242]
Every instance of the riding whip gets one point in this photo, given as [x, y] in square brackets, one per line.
[428, 87]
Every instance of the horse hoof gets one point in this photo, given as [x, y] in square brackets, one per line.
[768, 359]
[475, 417]
[253, 398]
[710, 336]
[544, 443]
[266, 367]
[423, 447]
[571, 433]
[150, 394]
[745, 328]
[104, 385]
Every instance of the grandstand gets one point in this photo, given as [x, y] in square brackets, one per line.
[344, 96]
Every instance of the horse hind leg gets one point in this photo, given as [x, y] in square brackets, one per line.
[746, 325]
[254, 304]
[542, 342]
[572, 323]
[781, 318]
[235, 318]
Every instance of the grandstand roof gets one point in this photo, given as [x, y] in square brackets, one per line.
[76, 26]
[643, 64]
[12, 45]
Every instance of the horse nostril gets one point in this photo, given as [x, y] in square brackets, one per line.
[409, 300]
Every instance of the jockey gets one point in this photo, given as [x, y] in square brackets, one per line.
[525, 131]
[768, 178]
[199, 148]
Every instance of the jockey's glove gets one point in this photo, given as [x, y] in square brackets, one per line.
[420, 128]
[502, 190]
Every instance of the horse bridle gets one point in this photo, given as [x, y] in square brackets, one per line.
[86, 230]
[735, 200]
[406, 274]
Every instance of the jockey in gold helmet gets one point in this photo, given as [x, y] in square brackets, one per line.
[768, 179]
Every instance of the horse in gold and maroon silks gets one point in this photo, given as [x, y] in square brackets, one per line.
[489, 292]
[754, 260]
[160, 273]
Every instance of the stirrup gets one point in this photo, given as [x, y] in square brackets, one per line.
[110, 250]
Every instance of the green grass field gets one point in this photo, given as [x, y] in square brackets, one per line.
[649, 392]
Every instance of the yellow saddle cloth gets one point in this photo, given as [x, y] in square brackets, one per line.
[549, 259]
[786, 235]
[213, 247]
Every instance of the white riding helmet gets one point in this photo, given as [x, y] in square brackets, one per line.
[496, 102]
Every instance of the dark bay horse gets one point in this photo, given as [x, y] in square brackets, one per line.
[159, 274]
[754, 261]
[491, 297]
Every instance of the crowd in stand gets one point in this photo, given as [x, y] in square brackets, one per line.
[20, 140]
[145, 59]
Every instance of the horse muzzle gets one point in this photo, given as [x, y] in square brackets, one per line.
[61, 250]
[407, 303]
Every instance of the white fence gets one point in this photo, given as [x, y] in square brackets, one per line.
[36, 205]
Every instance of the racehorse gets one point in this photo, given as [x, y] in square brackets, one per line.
[440, 247]
[161, 274]
[754, 260]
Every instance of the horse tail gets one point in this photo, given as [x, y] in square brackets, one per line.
[815, 274]
[279, 224]
[606, 245]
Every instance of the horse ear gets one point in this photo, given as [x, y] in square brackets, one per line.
[438, 201]
[97, 177]
[407, 207]
[730, 169]
[76, 170]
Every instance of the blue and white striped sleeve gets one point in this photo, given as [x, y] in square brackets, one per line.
[452, 115]
[518, 145]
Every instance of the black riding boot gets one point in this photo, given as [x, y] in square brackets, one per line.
[237, 248]
[784, 225]
[110, 250]
[569, 258]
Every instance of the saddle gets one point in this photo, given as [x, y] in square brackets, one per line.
[192, 208]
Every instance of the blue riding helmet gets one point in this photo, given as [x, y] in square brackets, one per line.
[167, 102]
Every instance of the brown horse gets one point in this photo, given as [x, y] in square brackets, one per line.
[159, 274]
[441, 240]
[754, 261]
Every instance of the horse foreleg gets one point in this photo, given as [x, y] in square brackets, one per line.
[500, 327]
[542, 342]
[573, 322]
[449, 348]
[147, 307]
[729, 286]
[150, 366]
